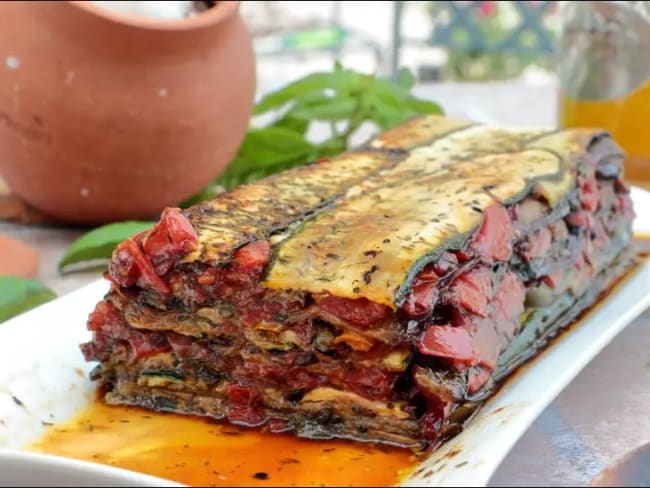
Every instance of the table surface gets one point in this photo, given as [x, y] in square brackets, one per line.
[598, 418]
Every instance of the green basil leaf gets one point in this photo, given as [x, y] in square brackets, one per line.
[344, 81]
[332, 109]
[288, 121]
[405, 79]
[264, 151]
[300, 124]
[313, 98]
[99, 243]
[332, 147]
[234, 180]
[383, 111]
[420, 106]
[268, 146]
[388, 90]
[18, 295]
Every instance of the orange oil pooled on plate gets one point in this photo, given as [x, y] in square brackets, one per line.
[196, 451]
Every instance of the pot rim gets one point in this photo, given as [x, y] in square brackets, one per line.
[212, 16]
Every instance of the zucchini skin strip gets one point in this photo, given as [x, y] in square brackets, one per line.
[404, 217]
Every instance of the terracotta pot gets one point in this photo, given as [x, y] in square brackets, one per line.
[107, 116]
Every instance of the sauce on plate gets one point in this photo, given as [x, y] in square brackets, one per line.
[197, 451]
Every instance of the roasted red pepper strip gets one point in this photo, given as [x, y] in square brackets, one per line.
[360, 311]
[370, 382]
[450, 342]
[473, 291]
[130, 266]
[553, 279]
[423, 293]
[509, 298]
[171, 238]
[253, 255]
[103, 317]
[590, 195]
[244, 405]
[493, 241]
[581, 219]
[145, 344]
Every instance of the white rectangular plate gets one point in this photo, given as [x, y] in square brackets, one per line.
[41, 365]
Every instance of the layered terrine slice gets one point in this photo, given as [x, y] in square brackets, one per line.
[379, 295]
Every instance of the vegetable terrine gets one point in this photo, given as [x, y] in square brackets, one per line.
[379, 295]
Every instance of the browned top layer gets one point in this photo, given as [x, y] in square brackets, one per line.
[415, 190]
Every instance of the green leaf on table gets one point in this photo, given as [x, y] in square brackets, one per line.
[266, 151]
[99, 243]
[18, 295]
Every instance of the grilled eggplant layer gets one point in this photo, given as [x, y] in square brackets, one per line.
[380, 295]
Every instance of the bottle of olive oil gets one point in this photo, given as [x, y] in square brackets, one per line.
[604, 67]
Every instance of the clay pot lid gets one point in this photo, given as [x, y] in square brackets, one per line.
[17, 258]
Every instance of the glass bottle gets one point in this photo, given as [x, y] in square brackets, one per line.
[604, 67]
